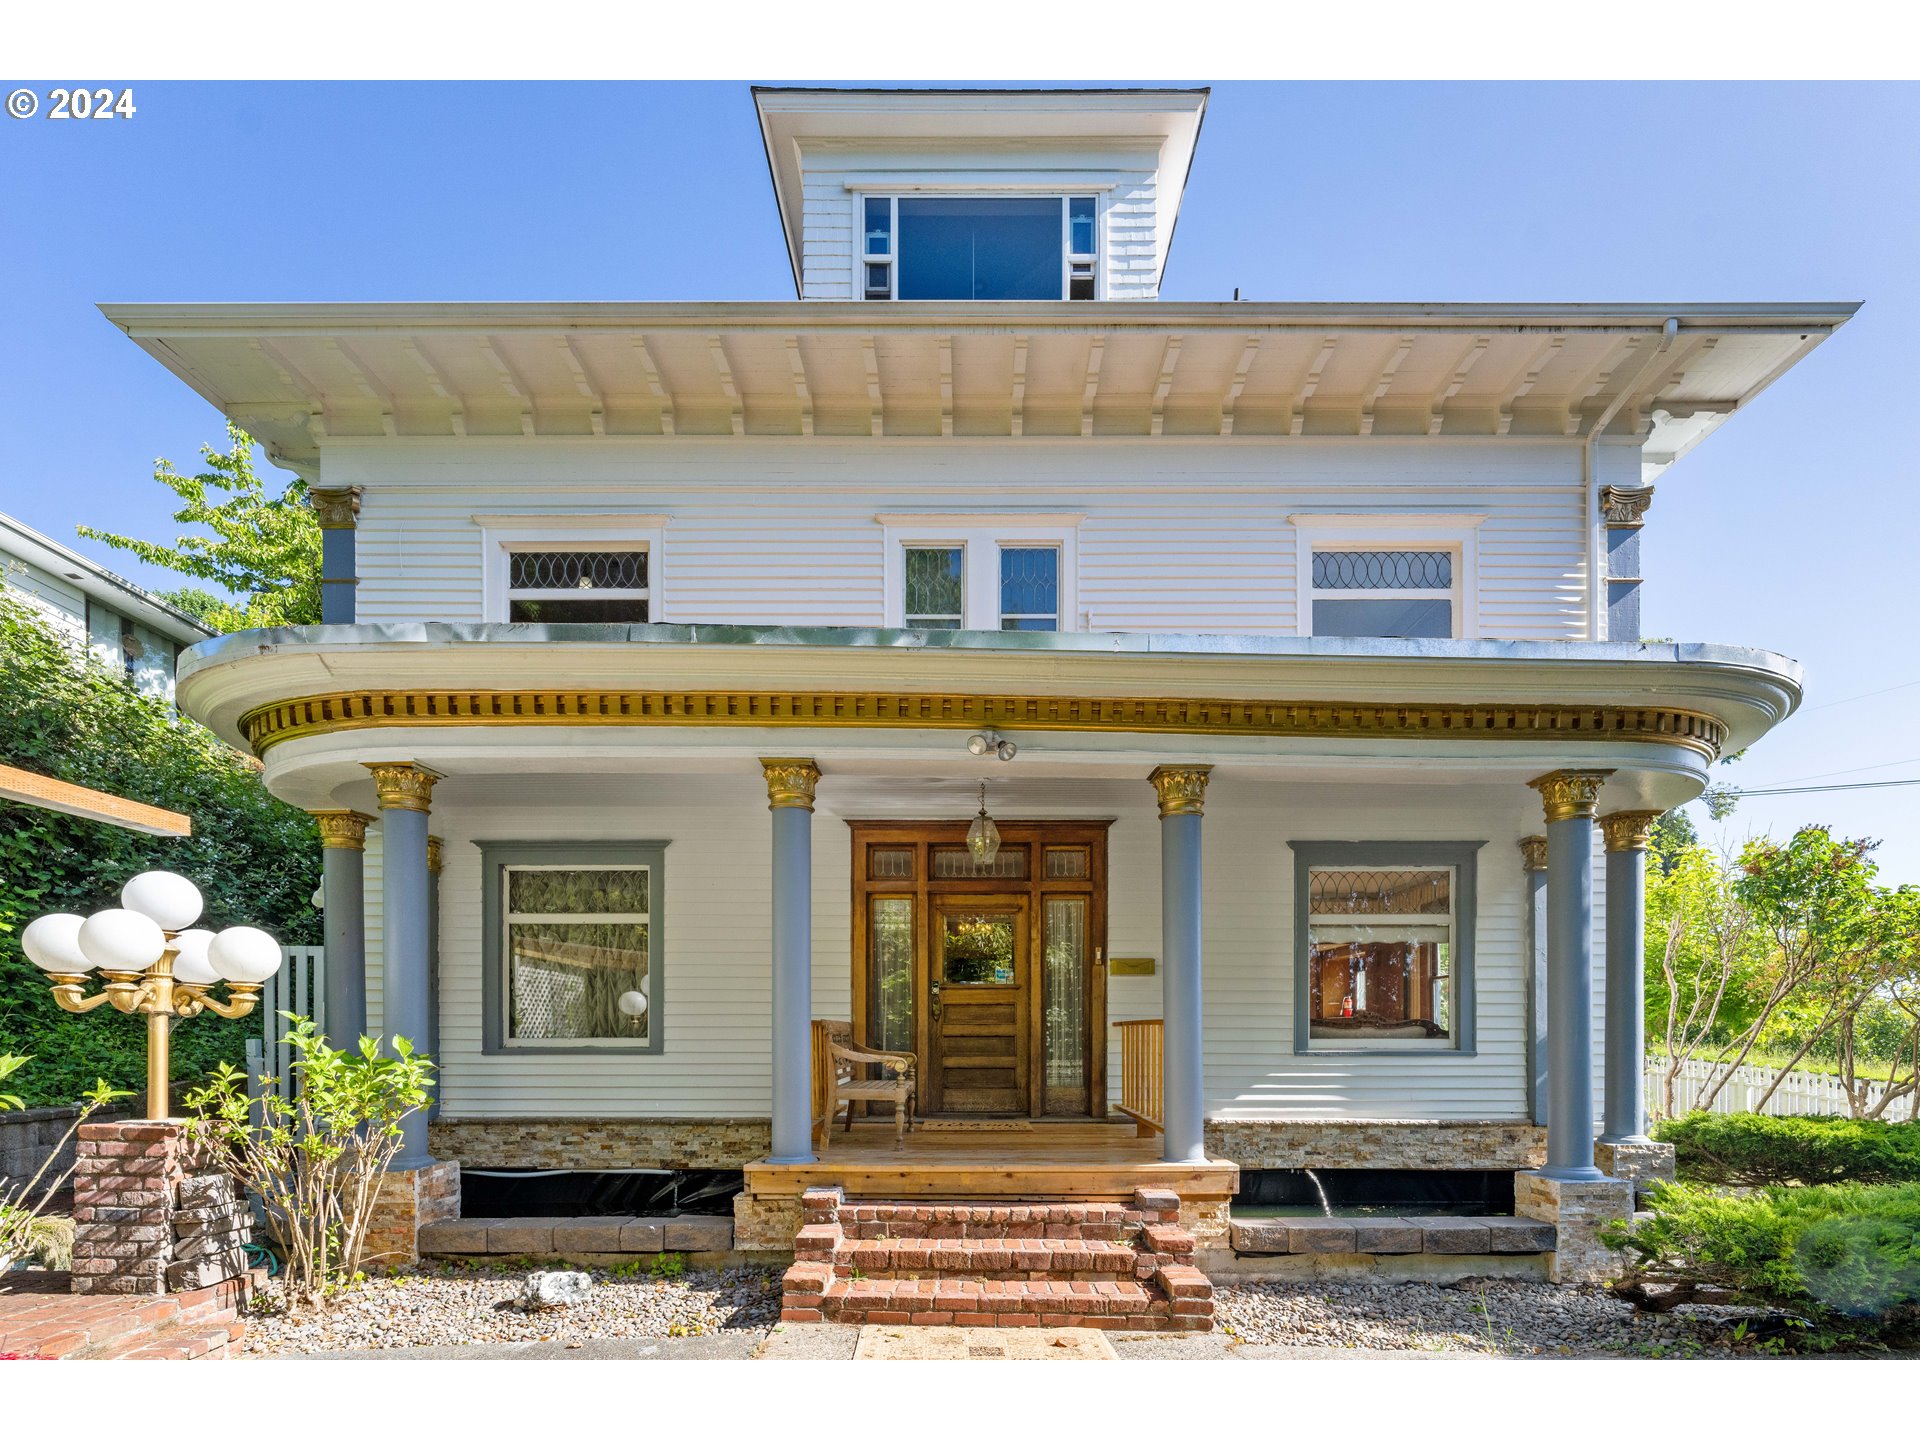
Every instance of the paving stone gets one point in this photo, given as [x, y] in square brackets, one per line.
[520, 1237]
[590, 1234]
[1387, 1237]
[1320, 1235]
[456, 1237]
[1518, 1235]
[1454, 1234]
[699, 1232]
[1259, 1237]
[643, 1236]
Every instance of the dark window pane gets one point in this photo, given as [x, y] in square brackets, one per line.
[879, 282]
[1080, 283]
[1080, 224]
[1394, 989]
[933, 587]
[1029, 587]
[1396, 619]
[578, 612]
[979, 249]
[1382, 569]
[879, 226]
[577, 570]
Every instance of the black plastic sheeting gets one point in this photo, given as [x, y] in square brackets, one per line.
[564, 1194]
[1459, 1192]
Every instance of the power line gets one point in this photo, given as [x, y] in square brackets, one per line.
[1867, 695]
[1817, 789]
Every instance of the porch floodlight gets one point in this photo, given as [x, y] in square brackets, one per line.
[151, 964]
[983, 836]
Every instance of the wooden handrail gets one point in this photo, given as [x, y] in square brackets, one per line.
[1142, 1048]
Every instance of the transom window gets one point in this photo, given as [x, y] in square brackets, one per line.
[576, 943]
[577, 586]
[998, 247]
[1380, 964]
[1405, 593]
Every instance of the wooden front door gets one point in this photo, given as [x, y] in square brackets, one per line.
[992, 974]
[977, 1004]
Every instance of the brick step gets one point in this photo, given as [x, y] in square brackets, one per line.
[996, 1258]
[1108, 1304]
[176, 1342]
[1090, 1220]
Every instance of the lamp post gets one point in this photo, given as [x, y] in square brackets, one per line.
[153, 963]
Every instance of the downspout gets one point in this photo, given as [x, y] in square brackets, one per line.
[1596, 582]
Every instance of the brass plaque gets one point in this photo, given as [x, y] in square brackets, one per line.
[1134, 965]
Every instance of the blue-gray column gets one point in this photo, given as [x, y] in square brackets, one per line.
[1627, 833]
[338, 512]
[1533, 858]
[406, 792]
[1182, 791]
[343, 894]
[1623, 510]
[432, 1042]
[790, 789]
[1569, 797]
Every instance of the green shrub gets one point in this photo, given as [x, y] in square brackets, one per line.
[1821, 1252]
[1810, 1150]
[255, 859]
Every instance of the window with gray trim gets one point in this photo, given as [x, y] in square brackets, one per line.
[573, 945]
[1383, 946]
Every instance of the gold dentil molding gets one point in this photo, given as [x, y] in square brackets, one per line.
[1570, 794]
[269, 725]
[790, 783]
[1182, 788]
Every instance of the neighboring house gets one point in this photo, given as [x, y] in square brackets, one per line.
[125, 628]
[1351, 589]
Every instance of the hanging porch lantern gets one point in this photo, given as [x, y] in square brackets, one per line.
[983, 836]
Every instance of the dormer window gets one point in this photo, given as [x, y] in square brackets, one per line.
[979, 247]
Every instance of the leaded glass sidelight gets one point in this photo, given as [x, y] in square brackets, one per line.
[575, 942]
[890, 938]
[935, 579]
[1064, 955]
[577, 586]
[1029, 587]
[1404, 594]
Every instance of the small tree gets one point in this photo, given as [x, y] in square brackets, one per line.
[24, 1227]
[315, 1158]
[1703, 951]
[263, 547]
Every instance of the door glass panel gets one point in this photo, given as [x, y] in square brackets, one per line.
[1066, 999]
[890, 1026]
[977, 948]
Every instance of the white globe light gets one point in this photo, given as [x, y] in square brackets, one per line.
[171, 901]
[53, 943]
[242, 955]
[632, 1003]
[121, 940]
[190, 964]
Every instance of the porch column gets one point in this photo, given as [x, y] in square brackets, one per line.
[1627, 833]
[343, 895]
[1533, 864]
[1182, 790]
[431, 1042]
[406, 794]
[790, 787]
[1569, 797]
[338, 512]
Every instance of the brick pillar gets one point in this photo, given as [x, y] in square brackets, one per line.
[149, 1219]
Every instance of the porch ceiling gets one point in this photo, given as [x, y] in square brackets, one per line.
[302, 376]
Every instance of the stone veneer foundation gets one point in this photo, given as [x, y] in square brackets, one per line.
[1579, 1211]
[1643, 1162]
[407, 1202]
[1378, 1144]
[150, 1216]
[561, 1143]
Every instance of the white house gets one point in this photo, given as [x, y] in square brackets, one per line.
[1279, 635]
[124, 627]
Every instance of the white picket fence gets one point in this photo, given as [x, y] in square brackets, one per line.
[1800, 1093]
[299, 987]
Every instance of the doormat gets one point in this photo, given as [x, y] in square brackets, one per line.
[974, 1125]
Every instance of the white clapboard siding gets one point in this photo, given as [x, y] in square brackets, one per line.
[714, 1001]
[1801, 1093]
[51, 599]
[1176, 535]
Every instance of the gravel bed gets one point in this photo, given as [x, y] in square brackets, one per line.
[1499, 1317]
[470, 1305]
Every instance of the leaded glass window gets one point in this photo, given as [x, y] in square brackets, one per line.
[576, 945]
[935, 577]
[577, 586]
[1404, 594]
[1029, 587]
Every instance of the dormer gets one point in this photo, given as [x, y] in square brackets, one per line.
[938, 195]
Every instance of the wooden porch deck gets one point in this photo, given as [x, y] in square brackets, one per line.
[1049, 1160]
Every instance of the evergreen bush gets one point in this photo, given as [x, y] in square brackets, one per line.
[1745, 1149]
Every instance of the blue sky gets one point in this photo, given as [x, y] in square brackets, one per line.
[1793, 528]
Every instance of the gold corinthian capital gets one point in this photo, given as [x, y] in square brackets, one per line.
[342, 829]
[1533, 852]
[1628, 829]
[1182, 788]
[790, 782]
[1570, 794]
[403, 785]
